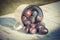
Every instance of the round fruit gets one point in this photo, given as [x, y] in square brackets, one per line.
[27, 28]
[26, 22]
[24, 18]
[43, 31]
[39, 19]
[39, 28]
[32, 25]
[28, 12]
[32, 30]
[32, 19]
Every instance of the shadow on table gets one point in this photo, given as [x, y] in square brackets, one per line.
[54, 35]
[7, 22]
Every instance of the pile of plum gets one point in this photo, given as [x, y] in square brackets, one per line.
[33, 22]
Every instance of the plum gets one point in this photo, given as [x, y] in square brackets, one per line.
[39, 19]
[32, 25]
[27, 27]
[24, 18]
[43, 31]
[28, 12]
[32, 30]
[26, 22]
[32, 19]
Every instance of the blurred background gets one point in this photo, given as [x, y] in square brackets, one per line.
[9, 6]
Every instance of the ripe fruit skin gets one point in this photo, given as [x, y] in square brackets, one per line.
[43, 31]
[32, 25]
[27, 28]
[32, 30]
[28, 22]
[28, 12]
[24, 18]
[39, 19]
[32, 19]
